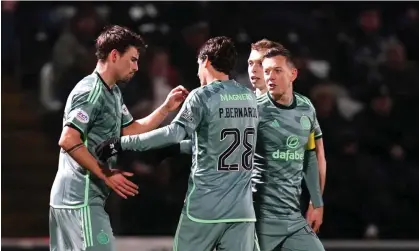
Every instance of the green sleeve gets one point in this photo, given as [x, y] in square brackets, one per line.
[186, 146]
[311, 177]
[162, 137]
[83, 110]
[191, 113]
[126, 118]
[316, 127]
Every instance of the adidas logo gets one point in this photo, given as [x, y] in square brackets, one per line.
[112, 146]
[275, 123]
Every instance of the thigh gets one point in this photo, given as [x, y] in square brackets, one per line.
[55, 233]
[100, 234]
[238, 236]
[269, 242]
[66, 230]
[270, 234]
[302, 240]
[195, 236]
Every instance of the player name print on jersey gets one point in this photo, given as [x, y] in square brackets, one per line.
[219, 188]
[237, 112]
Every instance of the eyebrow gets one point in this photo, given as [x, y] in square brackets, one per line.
[254, 60]
[273, 68]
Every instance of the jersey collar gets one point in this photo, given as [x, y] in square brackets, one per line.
[292, 106]
[103, 82]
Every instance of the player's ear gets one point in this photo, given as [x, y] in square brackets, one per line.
[206, 62]
[114, 55]
[294, 74]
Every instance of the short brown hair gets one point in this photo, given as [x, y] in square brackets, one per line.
[279, 51]
[265, 44]
[221, 52]
[118, 38]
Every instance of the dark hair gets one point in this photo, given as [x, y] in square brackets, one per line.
[221, 52]
[118, 38]
[279, 51]
[265, 44]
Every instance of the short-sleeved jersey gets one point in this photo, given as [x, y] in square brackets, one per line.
[284, 134]
[221, 118]
[98, 113]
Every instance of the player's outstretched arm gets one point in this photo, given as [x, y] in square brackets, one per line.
[159, 138]
[71, 143]
[152, 121]
[185, 123]
[162, 137]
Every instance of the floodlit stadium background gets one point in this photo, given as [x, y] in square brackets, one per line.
[357, 62]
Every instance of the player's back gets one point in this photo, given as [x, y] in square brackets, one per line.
[223, 148]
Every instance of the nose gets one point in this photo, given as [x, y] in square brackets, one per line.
[271, 76]
[135, 67]
[254, 68]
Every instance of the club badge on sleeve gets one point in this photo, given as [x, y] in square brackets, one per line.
[82, 116]
[187, 115]
[125, 110]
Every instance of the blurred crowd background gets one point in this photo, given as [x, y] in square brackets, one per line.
[357, 62]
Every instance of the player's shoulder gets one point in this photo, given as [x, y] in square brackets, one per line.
[222, 91]
[303, 102]
[263, 100]
[209, 90]
[87, 83]
[196, 93]
[89, 88]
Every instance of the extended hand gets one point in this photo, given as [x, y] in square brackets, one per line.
[118, 182]
[175, 98]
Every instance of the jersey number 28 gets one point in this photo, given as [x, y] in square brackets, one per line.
[246, 156]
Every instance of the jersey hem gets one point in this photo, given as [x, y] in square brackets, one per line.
[220, 220]
[66, 207]
[279, 217]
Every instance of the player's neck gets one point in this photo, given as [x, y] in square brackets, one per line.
[217, 76]
[285, 99]
[106, 74]
[260, 91]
